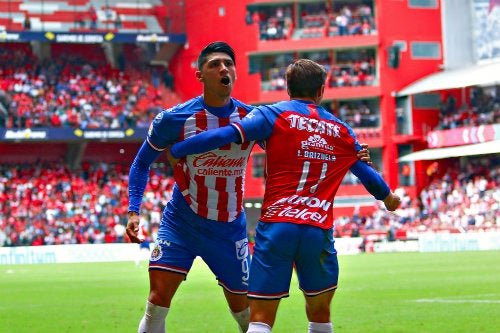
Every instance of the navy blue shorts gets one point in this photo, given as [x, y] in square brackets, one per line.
[281, 246]
[223, 246]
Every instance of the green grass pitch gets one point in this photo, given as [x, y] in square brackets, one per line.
[388, 293]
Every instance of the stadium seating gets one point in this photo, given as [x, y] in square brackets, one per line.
[23, 210]
[125, 98]
[64, 16]
[46, 204]
[49, 204]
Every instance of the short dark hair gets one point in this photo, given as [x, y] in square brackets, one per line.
[212, 48]
[304, 77]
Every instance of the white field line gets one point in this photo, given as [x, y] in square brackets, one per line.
[463, 300]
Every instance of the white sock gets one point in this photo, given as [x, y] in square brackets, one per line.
[242, 318]
[256, 327]
[320, 327]
[153, 320]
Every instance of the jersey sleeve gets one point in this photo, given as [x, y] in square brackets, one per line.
[371, 180]
[164, 130]
[254, 126]
[351, 132]
[205, 141]
[258, 124]
[138, 175]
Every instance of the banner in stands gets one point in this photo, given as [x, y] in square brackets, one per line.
[90, 37]
[57, 254]
[72, 134]
[71, 253]
[463, 136]
[470, 241]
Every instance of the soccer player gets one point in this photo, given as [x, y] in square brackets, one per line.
[205, 217]
[309, 151]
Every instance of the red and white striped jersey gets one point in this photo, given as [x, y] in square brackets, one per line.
[213, 182]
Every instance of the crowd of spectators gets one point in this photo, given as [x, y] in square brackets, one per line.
[483, 109]
[358, 114]
[71, 92]
[273, 25]
[460, 200]
[47, 204]
[358, 72]
[277, 76]
[345, 21]
[316, 20]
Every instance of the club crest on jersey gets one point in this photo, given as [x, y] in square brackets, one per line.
[150, 130]
[157, 119]
[250, 115]
[157, 253]
[313, 125]
[316, 141]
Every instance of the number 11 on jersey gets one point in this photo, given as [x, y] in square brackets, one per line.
[305, 174]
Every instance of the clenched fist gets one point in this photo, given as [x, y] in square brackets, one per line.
[392, 201]
[133, 227]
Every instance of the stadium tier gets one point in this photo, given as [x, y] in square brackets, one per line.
[80, 82]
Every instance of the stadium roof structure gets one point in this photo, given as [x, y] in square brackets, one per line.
[490, 147]
[91, 37]
[480, 74]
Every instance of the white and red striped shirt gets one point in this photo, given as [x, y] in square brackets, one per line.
[212, 183]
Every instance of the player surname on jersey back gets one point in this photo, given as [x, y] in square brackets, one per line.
[317, 155]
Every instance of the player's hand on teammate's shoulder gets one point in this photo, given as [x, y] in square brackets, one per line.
[392, 202]
[364, 154]
[133, 227]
